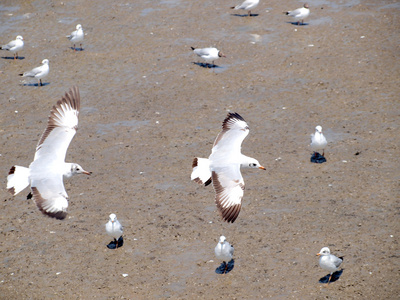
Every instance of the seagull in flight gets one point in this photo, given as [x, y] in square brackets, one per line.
[45, 174]
[328, 261]
[222, 168]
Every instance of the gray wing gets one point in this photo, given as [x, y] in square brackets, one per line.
[336, 261]
[294, 13]
[9, 45]
[33, 72]
[202, 51]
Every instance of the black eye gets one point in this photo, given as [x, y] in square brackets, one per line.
[254, 165]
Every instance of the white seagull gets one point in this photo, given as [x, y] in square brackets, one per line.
[14, 46]
[299, 14]
[39, 72]
[114, 228]
[247, 5]
[318, 141]
[328, 261]
[222, 168]
[45, 174]
[224, 251]
[208, 54]
[76, 36]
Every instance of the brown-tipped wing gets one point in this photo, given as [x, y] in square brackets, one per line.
[229, 189]
[61, 128]
[234, 131]
[49, 201]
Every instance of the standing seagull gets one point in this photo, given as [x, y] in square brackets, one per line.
[299, 14]
[328, 261]
[38, 72]
[76, 36]
[247, 5]
[208, 54]
[223, 167]
[114, 229]
[45, 173]
[224, 251]
[318, 141]
[14, 46]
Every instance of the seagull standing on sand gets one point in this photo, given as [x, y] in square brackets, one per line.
[224, 251]
[247, 5]
[328, 261]
[76, 36]
[14, 46]
[45, 174]
[222, 168]
[38, 72]
[299, 14]
[318, 141]
[208, 54]
[114, 228]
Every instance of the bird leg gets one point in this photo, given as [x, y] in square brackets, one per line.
[249, 13]
[226, 267]
[116, 243]
[40, 82]
[81, 47]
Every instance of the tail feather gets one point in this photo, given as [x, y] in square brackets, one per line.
[17, 179]
[201, 171]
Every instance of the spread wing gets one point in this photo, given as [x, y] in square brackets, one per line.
[229, 188]
[229, 140]
[61, 128]
[47, 168]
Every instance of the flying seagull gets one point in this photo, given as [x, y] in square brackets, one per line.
[222, 168]
[45, 174]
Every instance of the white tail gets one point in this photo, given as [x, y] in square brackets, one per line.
[17, 179]
[201, 171]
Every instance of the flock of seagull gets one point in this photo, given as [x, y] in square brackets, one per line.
[222, 168]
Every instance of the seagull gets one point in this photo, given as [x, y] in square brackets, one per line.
[14, 46]
[318, 141]
[208, 54]
[247, 5]
[328, 261]
[114, 228]
[224, 251]
[222, 168]
[38, 72]
[76, 36]
[45, 174]
[299, 14]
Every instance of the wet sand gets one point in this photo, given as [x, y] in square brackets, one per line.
[148, 109]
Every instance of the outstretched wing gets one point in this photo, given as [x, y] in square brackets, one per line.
[61, 128]
[229, 188]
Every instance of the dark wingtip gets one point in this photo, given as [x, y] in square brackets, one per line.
[12, 170]
[342, 258]
[21, 74]
[193, 48]
[194, 163]
[208, 182]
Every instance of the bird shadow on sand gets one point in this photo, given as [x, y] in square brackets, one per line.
[12, 57]
[245, 15]
[222, 267]
[36, 84]
[113, 244]
[77, 49]
[297, 24]
[207, 66]
[335, 276]
[317, 158]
